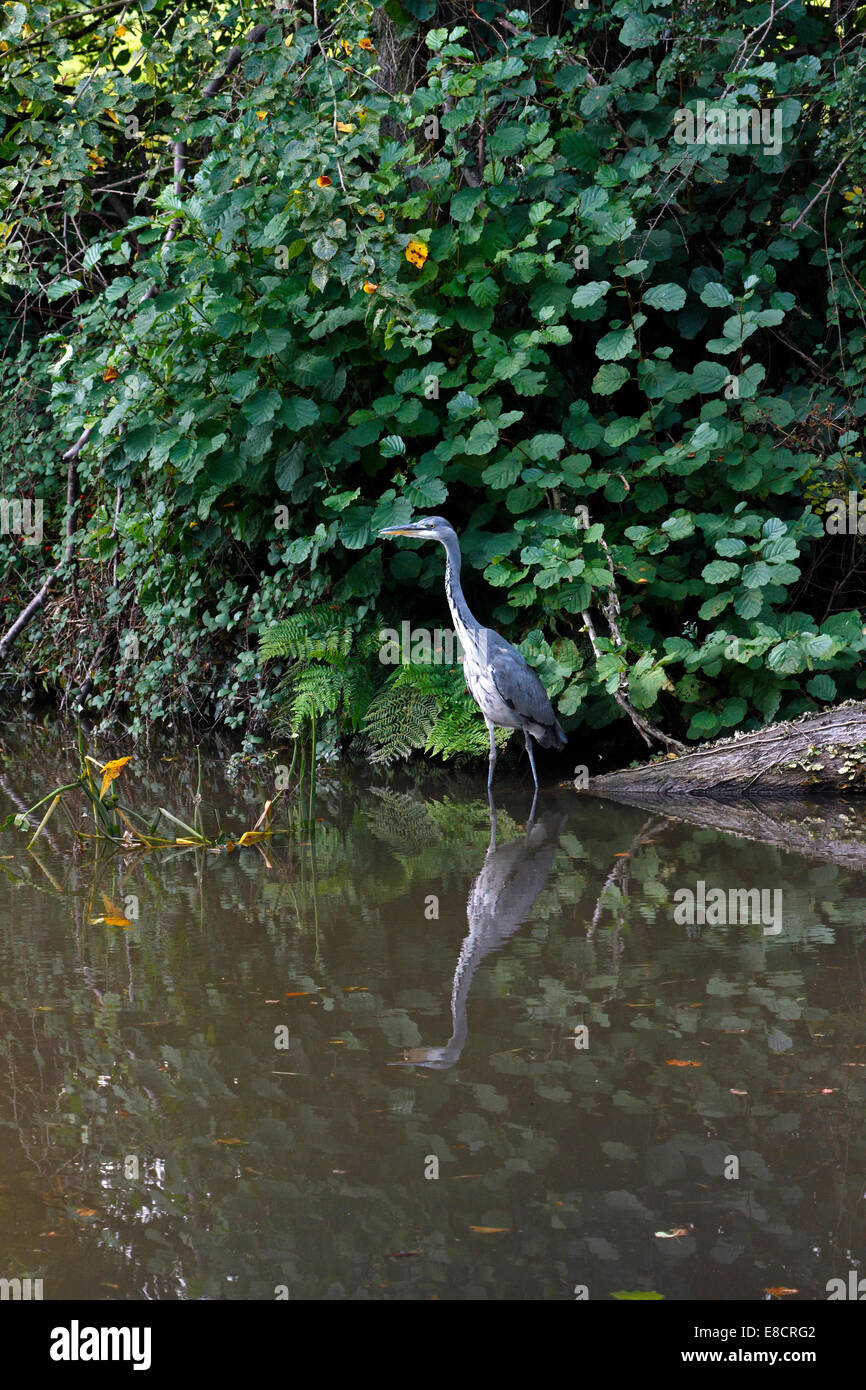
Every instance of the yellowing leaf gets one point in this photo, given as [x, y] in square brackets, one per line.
[323, 181]
[490, 1230]
[416, 253]
[367, 45]
[249, 837]
[345, 127]
[113, 915]
[110, 771]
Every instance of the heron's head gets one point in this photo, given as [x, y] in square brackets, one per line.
[426, 528]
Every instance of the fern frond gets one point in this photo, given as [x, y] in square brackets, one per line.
[321, 632]
[398, 720]
[460, 728]
[317, 690]
[359, 689]
[444, 683]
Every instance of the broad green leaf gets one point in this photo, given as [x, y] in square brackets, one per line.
[615, 345]
[665, 297]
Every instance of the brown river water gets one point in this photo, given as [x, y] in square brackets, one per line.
[383, 1055]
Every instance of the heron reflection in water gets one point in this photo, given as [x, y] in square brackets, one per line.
[511, 878]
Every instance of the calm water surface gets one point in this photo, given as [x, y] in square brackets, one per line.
[252, 1086]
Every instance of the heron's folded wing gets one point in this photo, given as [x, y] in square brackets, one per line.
[517, 684]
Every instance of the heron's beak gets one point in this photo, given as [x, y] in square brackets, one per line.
[398, 531]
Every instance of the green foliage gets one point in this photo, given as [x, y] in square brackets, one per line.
[398, 720]
[539, 312]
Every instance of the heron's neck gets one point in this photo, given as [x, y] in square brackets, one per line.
[464, 623]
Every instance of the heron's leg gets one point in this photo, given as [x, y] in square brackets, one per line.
[531, 756]
[492, 732]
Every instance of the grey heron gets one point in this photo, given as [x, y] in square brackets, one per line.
[502, 684]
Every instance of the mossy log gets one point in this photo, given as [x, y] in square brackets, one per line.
[815, 755]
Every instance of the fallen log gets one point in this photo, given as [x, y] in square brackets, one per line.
[815, 755]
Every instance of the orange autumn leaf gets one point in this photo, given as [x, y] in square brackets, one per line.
[345, 45]
[230, 1141]
[416, 253]
[296, 993]
[323, 181]
[367, 45]
[369, 287]
[110, 771]
[261, 115]
[86, 1211]
[110, 374]
[778, 1291]
[490, 1230]
[673, 1062]
[345, 127]
[113, 915]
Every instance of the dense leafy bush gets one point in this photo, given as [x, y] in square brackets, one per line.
[481, 277]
